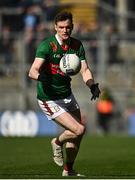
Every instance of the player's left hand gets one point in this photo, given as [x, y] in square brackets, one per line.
[95, 91]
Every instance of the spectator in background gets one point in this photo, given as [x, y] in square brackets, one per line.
[31, 20]
[113, 44]
[6, 48]
[25, 3]
[105, 110]
[50, 8]
[8, 3]
[93, 42]
[42, 32]
[81, 30]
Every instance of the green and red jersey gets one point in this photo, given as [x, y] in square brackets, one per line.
[57, 84]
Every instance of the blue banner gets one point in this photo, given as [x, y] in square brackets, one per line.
[30, 123]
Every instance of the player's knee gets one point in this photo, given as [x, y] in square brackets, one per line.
[80, 130]
[69, 134]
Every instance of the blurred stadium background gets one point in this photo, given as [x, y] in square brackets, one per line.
[107, 30]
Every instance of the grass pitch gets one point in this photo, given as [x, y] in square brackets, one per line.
[99, 158]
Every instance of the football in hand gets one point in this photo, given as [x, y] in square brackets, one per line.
[70, 64]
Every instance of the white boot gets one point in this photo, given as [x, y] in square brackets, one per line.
[57, 153]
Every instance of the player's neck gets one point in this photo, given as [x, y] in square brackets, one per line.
[62, 41]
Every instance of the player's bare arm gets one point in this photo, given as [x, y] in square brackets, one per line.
[89, 80]
[34, 70]
[86, 73]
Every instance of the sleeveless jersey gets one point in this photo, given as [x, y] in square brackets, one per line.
[57, 85]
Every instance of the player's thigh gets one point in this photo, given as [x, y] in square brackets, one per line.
[76, 142]
[68, 121]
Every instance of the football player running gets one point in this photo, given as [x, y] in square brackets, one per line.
[54, 93]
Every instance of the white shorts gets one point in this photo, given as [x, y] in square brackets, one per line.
[53, 109]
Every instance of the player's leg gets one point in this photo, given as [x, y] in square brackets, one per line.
[72, 148]
[74, 131]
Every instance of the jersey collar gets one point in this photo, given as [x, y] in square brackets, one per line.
[59, 40]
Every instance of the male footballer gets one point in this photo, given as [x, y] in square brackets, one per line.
[54, 93]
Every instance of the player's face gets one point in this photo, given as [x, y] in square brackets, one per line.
[64, 29]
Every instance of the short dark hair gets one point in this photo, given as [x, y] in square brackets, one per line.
[62, 16]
